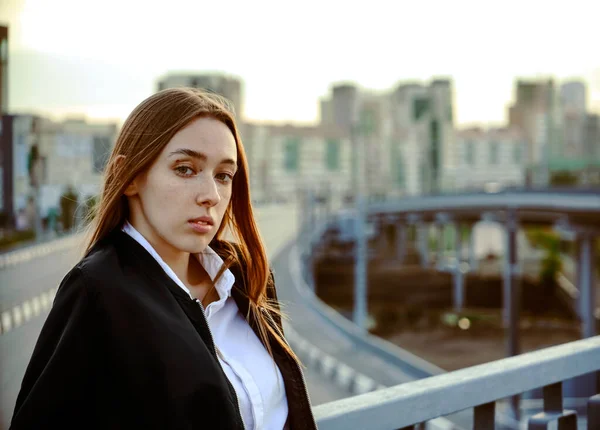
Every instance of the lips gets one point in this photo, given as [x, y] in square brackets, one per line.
[202, 225]
[204, 220]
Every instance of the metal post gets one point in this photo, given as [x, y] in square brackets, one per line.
[512, 294]
[512, 286]
[585, 268]
[577, 275]
[360, 268]
[473, 262]
[459, 291]
[360, 262]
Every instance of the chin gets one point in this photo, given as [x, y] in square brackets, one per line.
[195, 245]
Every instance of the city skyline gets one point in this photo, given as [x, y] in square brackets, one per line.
[93, 72]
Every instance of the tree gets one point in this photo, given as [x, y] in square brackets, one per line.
[563, 178]
[90, 208]
[550, 242]
[68, 207]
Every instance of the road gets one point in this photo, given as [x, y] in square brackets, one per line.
[27, 286]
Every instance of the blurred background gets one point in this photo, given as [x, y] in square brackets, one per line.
[338, 104]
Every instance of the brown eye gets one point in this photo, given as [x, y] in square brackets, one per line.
[224, 177]
[184, 171]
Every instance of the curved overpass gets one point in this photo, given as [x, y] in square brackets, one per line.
[535, 206]
[573, 209]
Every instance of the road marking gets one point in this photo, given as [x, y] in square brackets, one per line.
[344, 375]
[29, 309]
[37, 305]
[313, 356]
[6, 320]
[17, 316]
[18, 256]
[328, 364]
[363, 384]
[44, 301]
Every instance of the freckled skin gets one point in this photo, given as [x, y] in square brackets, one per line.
[178, 188]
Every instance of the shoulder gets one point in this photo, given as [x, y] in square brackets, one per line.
[101, 261]
[102, 267]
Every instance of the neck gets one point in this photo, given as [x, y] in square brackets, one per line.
[185, 265]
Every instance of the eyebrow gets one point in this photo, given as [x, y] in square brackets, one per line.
[200, 156]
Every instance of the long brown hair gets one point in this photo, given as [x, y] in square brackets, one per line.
[145, 133]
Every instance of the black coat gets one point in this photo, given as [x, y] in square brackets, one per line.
[124, 347]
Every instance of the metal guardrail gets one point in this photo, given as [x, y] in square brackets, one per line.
[479, 387]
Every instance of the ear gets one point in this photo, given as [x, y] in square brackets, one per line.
[131, 189]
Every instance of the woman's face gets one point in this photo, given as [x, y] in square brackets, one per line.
[178, 203]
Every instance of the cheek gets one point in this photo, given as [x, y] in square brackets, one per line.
[225, 200]
[164, 195]
[226, 196]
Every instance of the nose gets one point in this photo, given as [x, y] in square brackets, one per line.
[208, 194]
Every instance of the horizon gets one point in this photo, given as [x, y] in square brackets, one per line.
[93, 114]
[103, 71]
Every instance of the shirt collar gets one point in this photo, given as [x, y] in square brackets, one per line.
[210, 260]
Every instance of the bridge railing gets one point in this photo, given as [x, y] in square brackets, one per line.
[479, 387]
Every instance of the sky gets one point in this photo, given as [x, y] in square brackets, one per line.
[101, 58]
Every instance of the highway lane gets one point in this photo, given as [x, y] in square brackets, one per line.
[26, 280]
[313, 326]
[30, 278]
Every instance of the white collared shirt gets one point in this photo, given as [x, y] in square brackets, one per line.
[249, 367]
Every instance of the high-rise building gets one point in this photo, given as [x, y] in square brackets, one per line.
[423, 136]
[363, 114]
[405, 136]
[3, 70]
[573, 96]
[537, 114]
[226, 86]
[592, 138]
[592, 149]
[326, 112]
[345, 100]
[573, 105]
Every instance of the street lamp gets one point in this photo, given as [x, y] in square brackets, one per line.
[359, 134]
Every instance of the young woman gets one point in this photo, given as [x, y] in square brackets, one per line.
[163, 324]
